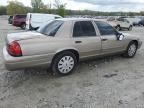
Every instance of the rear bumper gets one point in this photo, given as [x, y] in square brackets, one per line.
[15, 63]
[16, 24]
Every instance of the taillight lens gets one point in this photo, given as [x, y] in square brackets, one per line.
[14, 49]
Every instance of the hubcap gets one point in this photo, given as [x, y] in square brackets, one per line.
[66, 64]
[132, 50]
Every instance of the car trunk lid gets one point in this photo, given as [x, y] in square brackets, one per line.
[22, 36]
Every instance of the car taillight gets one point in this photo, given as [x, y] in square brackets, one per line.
[14, 49]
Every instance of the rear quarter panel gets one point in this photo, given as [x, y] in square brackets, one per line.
[40, 46]
[48, 44]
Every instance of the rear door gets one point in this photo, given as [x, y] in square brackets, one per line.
[85, 39]
[110, 44]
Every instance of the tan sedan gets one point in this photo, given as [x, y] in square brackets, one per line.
[62, 43]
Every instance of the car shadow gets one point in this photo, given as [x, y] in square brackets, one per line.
[16, 78]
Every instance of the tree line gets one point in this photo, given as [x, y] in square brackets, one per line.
[37, 6]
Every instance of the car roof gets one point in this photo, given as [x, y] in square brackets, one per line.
[78, 19]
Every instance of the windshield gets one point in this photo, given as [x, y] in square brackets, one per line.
[51, 28]
[111, 19]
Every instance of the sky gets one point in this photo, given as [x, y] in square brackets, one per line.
[96, 5]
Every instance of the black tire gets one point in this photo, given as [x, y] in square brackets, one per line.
[23, 26]
[130, 28]
[58, 58]
[127, 53]
[11, 21]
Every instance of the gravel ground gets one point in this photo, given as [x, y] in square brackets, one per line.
[110, 82]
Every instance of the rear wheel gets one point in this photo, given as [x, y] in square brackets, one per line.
[23, 26]
[131, 50]
[64, 63]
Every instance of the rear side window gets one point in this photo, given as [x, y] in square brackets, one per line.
[105, 28]
[83, 28]
[51, 28]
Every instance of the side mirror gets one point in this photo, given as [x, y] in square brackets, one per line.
[119, 36]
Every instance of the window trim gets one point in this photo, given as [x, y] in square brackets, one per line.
[57, 30]
[72, 29]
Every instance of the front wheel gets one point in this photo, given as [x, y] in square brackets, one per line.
[130, 28]
[131, 50]
[64, 63]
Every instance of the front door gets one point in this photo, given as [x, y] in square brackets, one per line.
[110, 44]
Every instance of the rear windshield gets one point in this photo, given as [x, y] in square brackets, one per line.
[51, 28]
[20, 16]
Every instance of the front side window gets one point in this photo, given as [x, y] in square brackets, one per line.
[51, 28]
[105, 28]
[83, 29]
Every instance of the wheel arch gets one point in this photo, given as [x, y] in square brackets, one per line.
[73, 50]
[135, 42]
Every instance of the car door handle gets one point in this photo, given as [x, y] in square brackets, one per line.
[104, 39]
[78, 41]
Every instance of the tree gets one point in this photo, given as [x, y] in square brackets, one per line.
[2, 10]
[142, 13]
[37, 5]
[15, 7]
[43, 9]
[49, 7]
[60, 7]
